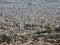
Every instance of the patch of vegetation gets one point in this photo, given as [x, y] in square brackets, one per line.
[57, 29]
[1, 14]
[5, 38]
[38, 33]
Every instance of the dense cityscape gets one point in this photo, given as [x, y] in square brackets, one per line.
[29, 22]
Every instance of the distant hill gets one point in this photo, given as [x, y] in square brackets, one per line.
[51, 0]
[28, 1]
[30, 7]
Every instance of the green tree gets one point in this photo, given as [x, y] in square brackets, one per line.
[5, 38]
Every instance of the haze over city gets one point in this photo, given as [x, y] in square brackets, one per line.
[29, 22]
